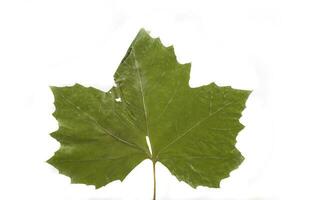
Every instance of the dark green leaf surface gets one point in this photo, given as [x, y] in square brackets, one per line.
[192, 131]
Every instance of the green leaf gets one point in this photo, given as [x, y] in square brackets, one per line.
[192, 131]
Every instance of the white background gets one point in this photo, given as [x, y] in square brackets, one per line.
[260, 45]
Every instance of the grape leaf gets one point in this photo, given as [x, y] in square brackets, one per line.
[192, 131]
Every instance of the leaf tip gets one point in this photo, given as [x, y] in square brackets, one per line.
[213, 84]
[249, 92]
[143, 31]
[52, 88]
[50, 161]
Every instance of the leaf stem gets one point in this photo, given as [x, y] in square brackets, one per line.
[154, 179]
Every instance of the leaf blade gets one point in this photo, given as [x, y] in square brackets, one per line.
[87, 144]
[192, 131]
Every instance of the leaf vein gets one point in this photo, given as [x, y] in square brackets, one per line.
[192, 127]
[104, 130]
